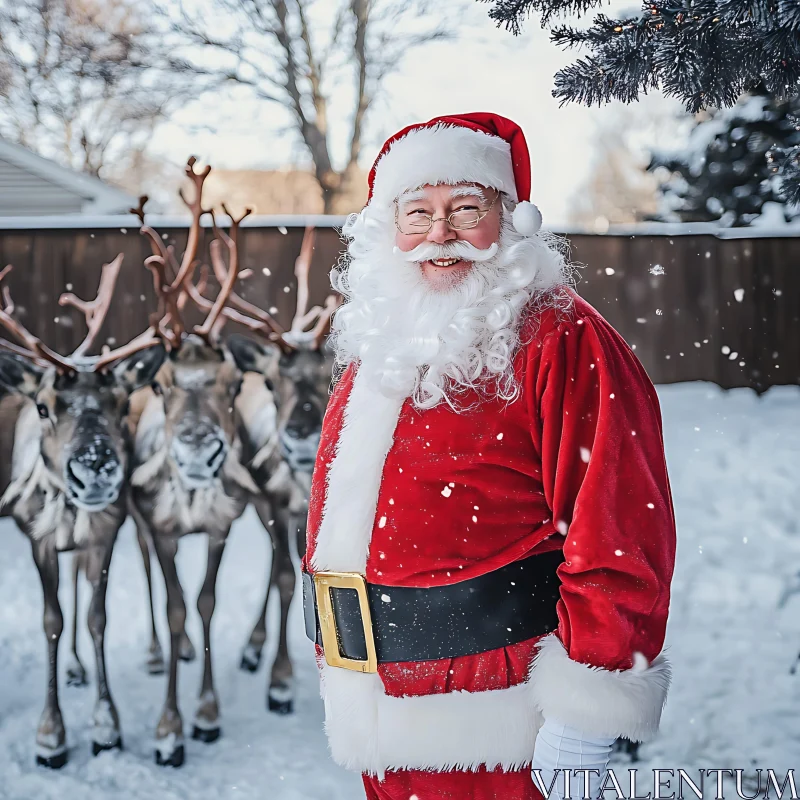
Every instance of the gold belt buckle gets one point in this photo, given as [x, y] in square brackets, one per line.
[323, 583]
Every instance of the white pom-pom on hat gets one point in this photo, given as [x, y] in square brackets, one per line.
[527, 218]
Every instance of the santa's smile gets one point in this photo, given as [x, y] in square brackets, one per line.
[444, 262]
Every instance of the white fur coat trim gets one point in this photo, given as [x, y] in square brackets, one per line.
[597, 701]
[443, 154]
[354, 478]
[370, 732]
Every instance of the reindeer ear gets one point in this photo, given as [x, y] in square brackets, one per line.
[251, 356]
[140, 369]
[19, 375]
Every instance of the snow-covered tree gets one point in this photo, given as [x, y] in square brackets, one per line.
[707, 53]
[723, 174]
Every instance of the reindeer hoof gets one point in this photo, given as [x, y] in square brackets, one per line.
[56, 761]
[76, 674]
[101, 747]
[280, 696]
[186, 651]
[76, 677]
[251, 659]
[206, 735]
[282, 706]
[155, 666]
[174, 759]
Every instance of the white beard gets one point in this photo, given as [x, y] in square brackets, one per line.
[432, 345]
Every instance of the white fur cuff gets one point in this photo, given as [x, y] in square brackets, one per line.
[597, 701]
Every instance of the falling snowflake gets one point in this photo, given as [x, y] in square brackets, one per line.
[739, 295]
[447, 491]
[656, 269]
[610, 271]
[585, 455]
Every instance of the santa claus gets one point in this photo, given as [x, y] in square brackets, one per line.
[491, 536]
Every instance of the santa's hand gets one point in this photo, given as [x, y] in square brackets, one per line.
[559, 748]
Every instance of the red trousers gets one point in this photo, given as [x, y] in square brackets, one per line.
[480, 785]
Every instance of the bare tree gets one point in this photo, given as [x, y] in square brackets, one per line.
[85, 81]
[300, 54]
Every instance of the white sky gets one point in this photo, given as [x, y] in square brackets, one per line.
[484, 69]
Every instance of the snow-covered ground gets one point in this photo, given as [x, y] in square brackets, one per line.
[734, 461]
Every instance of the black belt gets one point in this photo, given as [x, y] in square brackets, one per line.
[360, 625]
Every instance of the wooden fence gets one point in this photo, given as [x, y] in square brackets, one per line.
[695, 307]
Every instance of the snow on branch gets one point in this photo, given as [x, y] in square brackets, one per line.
[706, 53]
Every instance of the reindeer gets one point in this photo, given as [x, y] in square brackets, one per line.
[187, 474]
[293, 361]
[62, 432]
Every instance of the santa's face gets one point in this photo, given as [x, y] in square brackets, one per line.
[444, 251]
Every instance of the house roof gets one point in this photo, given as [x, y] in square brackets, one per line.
[99, 196]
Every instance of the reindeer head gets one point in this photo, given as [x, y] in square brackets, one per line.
[296, 361]
[76, 418]
[198, 385]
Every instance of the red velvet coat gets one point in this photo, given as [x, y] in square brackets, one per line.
[575, 462]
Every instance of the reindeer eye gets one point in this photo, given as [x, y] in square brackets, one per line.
[156, 387]
[44, 411]
[269, 384]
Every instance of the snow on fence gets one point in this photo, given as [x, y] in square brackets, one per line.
[695, 302]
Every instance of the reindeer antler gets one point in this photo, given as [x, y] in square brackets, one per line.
[302, 267]
[171, 277]
[188, 262]
[33, 348]
[323, 326]
[143, 341]
[226, 276]
[265, 321]
[139, 210]
[95, 310]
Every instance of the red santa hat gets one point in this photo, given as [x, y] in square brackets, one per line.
[478, 148]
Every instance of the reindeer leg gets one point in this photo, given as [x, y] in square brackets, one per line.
[155, 655]
[251, 655]
[51, 738]
[206, 720]
[280, 695]
[76, 674]
[106, 733]
[169, 732]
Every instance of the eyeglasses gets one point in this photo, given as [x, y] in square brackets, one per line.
[461, 220]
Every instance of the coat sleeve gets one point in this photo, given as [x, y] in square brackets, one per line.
[597, 426]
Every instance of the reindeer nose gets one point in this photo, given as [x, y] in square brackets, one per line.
[94, 475]
[199, 452]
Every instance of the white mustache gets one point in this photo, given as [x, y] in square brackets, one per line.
[430, 251]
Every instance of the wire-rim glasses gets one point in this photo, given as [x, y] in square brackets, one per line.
[461, 220]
